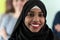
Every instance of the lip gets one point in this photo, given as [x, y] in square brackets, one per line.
[35, 25]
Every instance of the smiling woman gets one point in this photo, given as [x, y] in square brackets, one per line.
[2, 6]
[32, 24]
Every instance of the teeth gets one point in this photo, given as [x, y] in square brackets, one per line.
[35, 25]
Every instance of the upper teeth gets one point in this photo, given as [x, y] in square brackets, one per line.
[34, 25]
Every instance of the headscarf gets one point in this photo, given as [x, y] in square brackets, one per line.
[22, 32]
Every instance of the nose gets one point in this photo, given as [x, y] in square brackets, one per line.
[36, 18]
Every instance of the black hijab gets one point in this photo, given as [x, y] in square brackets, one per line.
[23, 33]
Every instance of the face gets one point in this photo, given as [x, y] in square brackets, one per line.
[34, 20]
[18, 4]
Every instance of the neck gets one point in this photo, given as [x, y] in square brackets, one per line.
[18, 11]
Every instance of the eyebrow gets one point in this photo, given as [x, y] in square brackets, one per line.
[31, 11]
[40, 12]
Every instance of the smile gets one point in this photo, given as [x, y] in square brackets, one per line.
[35, 25]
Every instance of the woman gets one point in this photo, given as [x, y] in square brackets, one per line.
[13, 11]
[32, 24]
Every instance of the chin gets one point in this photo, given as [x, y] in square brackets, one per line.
[35, 30]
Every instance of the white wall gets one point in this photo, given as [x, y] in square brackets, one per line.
[52, 6]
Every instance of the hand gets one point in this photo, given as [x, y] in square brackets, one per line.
[3, 33]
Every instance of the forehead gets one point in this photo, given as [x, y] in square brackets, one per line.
[36, 9]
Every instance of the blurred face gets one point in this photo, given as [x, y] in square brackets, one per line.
[34, 20]
[18, 4]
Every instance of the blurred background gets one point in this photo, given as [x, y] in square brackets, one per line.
[2, 6]
[52, 6]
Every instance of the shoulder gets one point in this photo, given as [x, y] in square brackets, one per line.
[6, 15]
[4, 18]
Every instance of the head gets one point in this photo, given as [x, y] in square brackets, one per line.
[34, 20]
[13, 5]
[35, 16]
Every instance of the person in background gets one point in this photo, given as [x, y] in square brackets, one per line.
[32, 24]
[13, 11]
[56, 25]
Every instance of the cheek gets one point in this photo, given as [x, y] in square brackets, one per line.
[27, 21]
[43, 20]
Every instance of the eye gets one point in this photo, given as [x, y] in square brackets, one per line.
[31, 14]
[41, 15]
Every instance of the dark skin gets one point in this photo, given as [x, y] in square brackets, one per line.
[34, 20]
